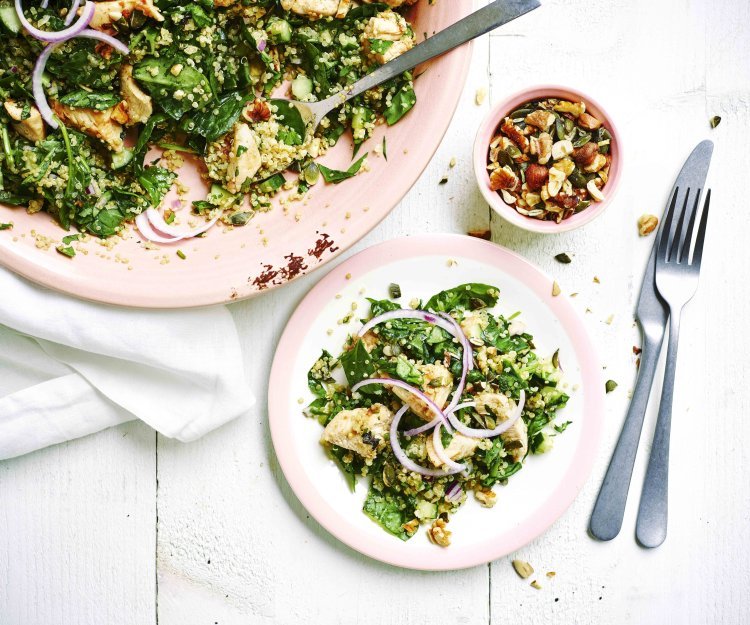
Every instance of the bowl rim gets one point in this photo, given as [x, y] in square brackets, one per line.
[484, 136]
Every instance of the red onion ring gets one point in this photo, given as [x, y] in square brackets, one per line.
[437, 443]
[454, 492]
[485, 433]
[61, 35]
[144, 226]
[157, 221]
[90, 33]
[407, 387]
[72, 13]
[401, 456]
[402, 313]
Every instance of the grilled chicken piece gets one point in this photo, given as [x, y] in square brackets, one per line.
[515, 439]
[459, 448]
[244, 158]
[31, 128]
[140, 105]
[361, 430]
[113, 10]
[437, 385]
[104, 125]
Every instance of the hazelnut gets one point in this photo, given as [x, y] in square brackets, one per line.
[565, 200]
[589, 122]
[536, 176]
[586, 154]
[503, 178]
[647, 224]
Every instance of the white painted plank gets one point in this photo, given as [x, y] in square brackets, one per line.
[234, 543]
[77, 532]
[662, 87]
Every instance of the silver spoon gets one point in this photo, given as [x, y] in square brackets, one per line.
[478, 23]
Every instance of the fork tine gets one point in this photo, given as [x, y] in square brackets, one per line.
[676, 240]
[687, 237]
[698, 253]
[666, 227]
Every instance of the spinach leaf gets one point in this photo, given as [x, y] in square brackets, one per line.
[380, 46]
[215, 121]
[358, 365]
[170, 91]
[469, 296]
[19, 198]
[89, 99]
[389, 511]
[491, 462]
[320, 373]
[335, 176]
[402, 369]
[156, 181]
[288, 115]
[366, 10]
[401, 103]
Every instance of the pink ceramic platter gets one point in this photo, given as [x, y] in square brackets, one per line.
[423, 265]
[275, 247]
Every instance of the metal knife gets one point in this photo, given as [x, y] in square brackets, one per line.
[652, 314]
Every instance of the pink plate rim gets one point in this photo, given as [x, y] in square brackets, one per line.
[280, 388]
[484, 136]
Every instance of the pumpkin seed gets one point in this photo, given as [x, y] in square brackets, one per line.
[583, 204]
[610, 386]
[513, 151]
[522, 112]
[715, 121]
[577, 179]
[583, 139]
[524, 569]
[559, 129]
[504, 158]
[563, 258]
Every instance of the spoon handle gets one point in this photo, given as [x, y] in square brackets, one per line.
[478, 23]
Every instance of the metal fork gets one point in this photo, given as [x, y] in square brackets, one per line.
[676, 277]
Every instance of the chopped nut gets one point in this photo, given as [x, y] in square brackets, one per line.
[438, 534]
[411, 526]
[536, 584]
[561, 149]
[551, 574]
[486, 497]
[589, 122]
[555, 289]
[647, 224]
[480, 234]
[576, 109]
[480, 96]
[596, 280]
[524, 569]
[541, 119]
[515, 134]
[503, 178]
[452, 162]
[536, 176]
[586, 154]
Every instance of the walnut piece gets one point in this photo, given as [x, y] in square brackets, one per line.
[486, 497]
[647, 224]
[438, 534]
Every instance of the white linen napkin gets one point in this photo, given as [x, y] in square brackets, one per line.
[69, 368]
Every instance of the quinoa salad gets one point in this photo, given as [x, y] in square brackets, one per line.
[89, 89]
[435, 401]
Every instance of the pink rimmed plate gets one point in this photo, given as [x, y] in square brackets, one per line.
[423, 265]
[275, 247]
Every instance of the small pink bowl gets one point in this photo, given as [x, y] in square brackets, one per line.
[487, 131]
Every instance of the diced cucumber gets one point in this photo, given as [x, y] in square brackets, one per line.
[9, 20]
[279, 31]
[545, 443]
[425, 510]
[218, 195]
[120, 159]
[274, 183]
[302, 87]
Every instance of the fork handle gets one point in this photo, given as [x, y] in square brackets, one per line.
[609, 509]
[651, 526]
[478, 23]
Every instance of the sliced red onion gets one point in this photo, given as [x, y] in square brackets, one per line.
[454, 492]
[407, 387]
[437, 443]
[90, 33]
[402, 313]
[407, 462]
[485, 433]
[72, 13]
[40, 99]
[157, 221]
[424, 428]
[60, 35]
[44, 4]
[145, 228]
[261, 45]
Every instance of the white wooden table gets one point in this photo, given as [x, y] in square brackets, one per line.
[128, 527]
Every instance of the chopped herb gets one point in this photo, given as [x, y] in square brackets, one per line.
[335, 176]
[66, 250]
[394, 290]
[6, 226]
[562, 426]
[385, 150]
[67, 240]
[610, 386]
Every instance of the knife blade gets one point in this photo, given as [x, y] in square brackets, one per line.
[652, 314]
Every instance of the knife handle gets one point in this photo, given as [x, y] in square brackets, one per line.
[609, 509]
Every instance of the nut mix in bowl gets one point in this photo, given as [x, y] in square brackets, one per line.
[550, 159]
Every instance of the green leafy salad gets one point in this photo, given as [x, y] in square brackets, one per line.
[87, 89]
[434, 401]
